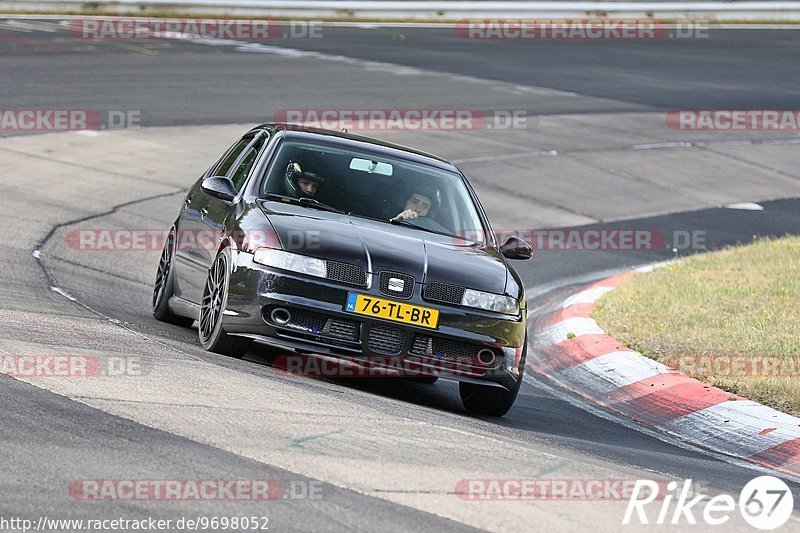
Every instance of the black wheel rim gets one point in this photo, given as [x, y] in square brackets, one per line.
[213, 295]
[164, 266]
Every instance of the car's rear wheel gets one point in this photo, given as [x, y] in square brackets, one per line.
[215, 299]
[488, 400]
[164, 286]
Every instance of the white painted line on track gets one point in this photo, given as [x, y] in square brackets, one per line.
[588, 296]
[64, 293]
[745, 206]
[482, 159]
[656, 146]
[28, 26]
[541, 290]
[374, 66]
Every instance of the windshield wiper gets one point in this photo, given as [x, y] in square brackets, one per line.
[404, 222]
[317, 203]
[359, 215]
[304, 201]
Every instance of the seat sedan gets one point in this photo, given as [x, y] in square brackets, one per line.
[318, 242]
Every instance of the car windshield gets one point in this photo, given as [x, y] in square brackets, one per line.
[380, 187]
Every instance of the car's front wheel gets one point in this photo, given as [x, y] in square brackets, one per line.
[488, 400]
[164, 286]
[215, 299]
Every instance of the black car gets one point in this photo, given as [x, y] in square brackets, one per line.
[320, 242]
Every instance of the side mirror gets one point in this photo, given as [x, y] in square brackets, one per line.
[219, 187]
[516, 248]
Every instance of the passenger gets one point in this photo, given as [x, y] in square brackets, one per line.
[418, 204]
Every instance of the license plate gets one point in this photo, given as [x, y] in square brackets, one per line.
[390, 310]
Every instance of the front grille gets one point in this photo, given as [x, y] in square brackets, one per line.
[422, 345]
[386, 339]
[341, 329]
[346, 273]
[317, 324]
[307, 321]
[385, 286]
[446, 349]
[443, 292]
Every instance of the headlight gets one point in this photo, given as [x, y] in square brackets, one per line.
[287, 261]
[490, 302]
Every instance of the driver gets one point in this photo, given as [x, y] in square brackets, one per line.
[303, 179]
[418, 204]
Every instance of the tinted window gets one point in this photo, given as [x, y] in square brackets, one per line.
[382, 189]
[230, 158]
[239, 176]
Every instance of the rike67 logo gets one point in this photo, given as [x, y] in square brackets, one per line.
[765, 503]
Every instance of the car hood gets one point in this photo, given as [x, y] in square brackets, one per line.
[376, 246]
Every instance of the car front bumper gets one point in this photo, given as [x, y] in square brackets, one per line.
[319, 324]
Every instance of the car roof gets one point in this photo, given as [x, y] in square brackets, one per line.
[360, 142]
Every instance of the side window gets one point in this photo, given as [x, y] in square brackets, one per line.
[230, 158]
[239, 176]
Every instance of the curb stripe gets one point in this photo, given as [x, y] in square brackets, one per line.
[560, 331]
[593, 345]
[607, 373]
[578, 350]
[598, 367]
[737, 428]
[665, 397]
[785, 455]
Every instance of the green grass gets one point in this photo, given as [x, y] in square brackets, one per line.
[741, 304]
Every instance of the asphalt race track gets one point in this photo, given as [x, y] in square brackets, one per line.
[595, 152]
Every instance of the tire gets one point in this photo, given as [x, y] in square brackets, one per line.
[215, 299]
[488, 400]
[164, 286]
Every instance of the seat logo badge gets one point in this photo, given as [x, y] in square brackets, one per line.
[396, 284]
